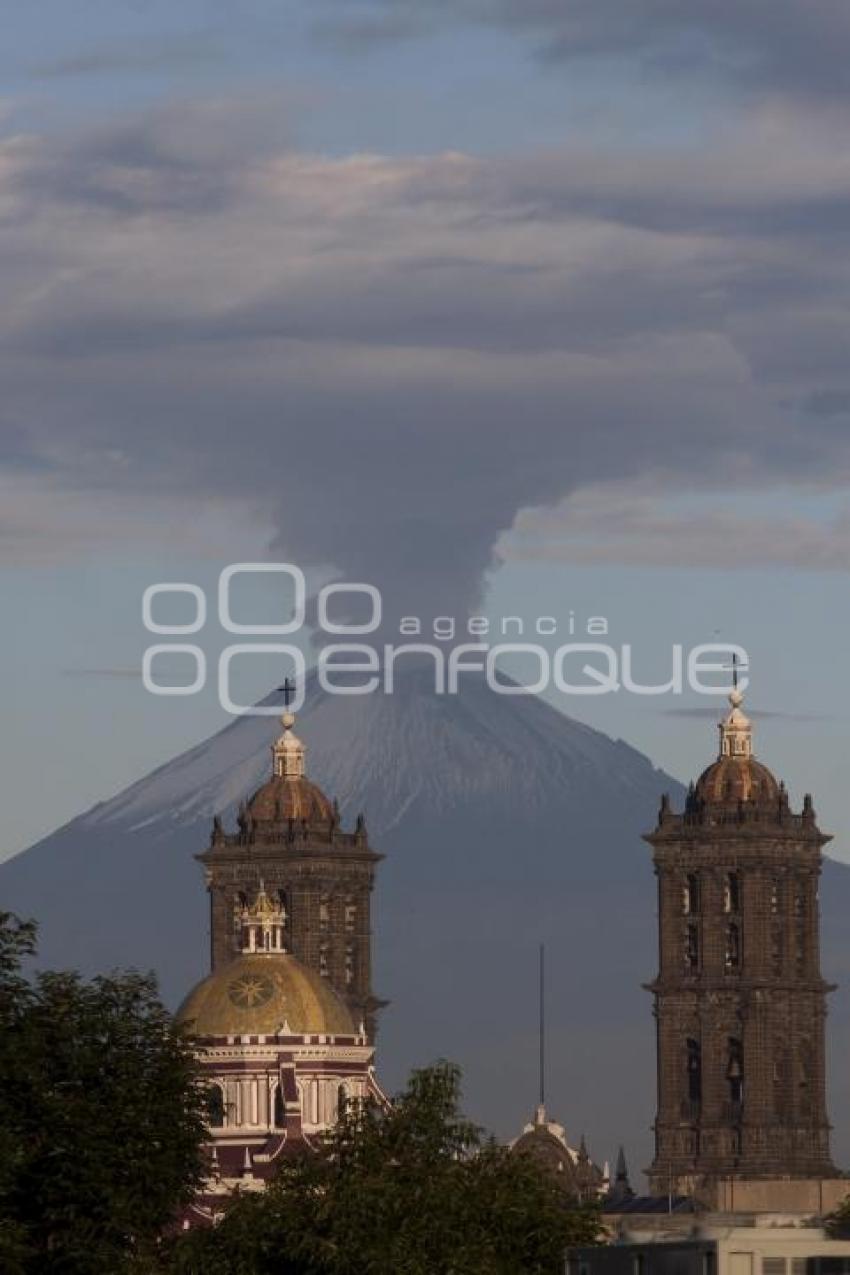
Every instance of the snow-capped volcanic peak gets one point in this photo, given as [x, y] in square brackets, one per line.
[387, 753]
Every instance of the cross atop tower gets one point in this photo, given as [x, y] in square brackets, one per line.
[735, 668]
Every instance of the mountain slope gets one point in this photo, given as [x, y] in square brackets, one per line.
[390, 754]
[504, 824]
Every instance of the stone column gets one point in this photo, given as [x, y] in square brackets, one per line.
[756, 925]
[714, 1061]
[758, 1076]
[713, 925]
[671, 925]
[811, 961]
[263, 1118]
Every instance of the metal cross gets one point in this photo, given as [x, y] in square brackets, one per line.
[288, 689]
[735, 666]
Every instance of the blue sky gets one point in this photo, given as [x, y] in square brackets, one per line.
[388, 290]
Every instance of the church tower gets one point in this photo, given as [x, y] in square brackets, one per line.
[739, 999]
[290, 838]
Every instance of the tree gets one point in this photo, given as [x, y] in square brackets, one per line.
[837, 1223]
[412, 1189]
[101, 1113]
[17, 942]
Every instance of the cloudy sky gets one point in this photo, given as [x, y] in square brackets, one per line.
[512, 304]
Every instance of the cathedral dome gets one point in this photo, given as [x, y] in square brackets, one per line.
[289, 794]
[736, 776]
[734, 779]
[265, 994]
[290, 797]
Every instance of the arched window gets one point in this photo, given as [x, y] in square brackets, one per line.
[215, 1107]
[799, 898]
[690, 895]
[732, 958]
[735, 1070]
[240, 902]
[279, 1113]
[780, 1079]
[806, 1078]
[776, 947]
[694, 1065]
[800, 926]
[731, 892]
[692, 947]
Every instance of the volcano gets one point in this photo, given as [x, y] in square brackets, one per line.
[504, 824]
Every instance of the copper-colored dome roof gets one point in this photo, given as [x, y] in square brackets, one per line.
[258, 993]
[283, 797]
[732, 779]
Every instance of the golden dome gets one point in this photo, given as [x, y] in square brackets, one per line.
[257, 993]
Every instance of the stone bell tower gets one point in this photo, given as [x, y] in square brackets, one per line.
[290, 839]
[739, 999]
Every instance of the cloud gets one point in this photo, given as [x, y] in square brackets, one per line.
[367, 33]
[55, 514]
[386, 358]
[761, 714]
[181, 157]
[640, 524]
[828, 403]
[755, 45]
[172, 52]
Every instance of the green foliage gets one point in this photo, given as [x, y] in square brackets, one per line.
[17, 941]
[837, 1223]
[101, 1118]
[408, 1190]
[101, 1125]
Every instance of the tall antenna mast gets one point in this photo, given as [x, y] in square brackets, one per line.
[542, 1008]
